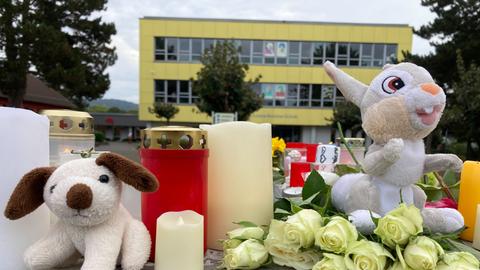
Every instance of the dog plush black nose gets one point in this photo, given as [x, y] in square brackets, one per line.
[79, 197]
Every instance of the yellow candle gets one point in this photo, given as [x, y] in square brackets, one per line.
[179, 241]
[476, 235]
[239, 177]
[469, 196]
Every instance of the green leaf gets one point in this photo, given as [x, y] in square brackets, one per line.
[434, 193]
[342, 169]
[314, 184]
[246, 224]
[284, 205]
[309, 200]
[374, 219]
[450, 178]
[295, 208]
[462, 247]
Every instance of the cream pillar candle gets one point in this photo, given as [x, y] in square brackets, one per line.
[240, 183]
[23, 147]
[476, 230]
[179, 241]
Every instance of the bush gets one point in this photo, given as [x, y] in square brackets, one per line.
[99, 137]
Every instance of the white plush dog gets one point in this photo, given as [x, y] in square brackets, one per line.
[85, 195]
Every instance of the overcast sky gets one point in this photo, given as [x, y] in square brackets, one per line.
[125, 15]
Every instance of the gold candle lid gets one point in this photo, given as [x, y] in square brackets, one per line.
[174, 138]
[69, 123]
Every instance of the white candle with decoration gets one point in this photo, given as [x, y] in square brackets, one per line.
[239, 177]
[23, 147]
[179, 241]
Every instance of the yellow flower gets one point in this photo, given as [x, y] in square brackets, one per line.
[278, 144]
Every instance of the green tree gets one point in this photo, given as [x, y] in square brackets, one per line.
[164, 110]
[115, 110]
[348, 115]
[97, 108]
[221, 85]
[457, 26]
[462, 116]
[63, 42]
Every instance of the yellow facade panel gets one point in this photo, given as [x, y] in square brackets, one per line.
[151, 70]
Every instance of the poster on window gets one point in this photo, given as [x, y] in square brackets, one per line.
[282, 49]
[269, 49]
[328, 92]
[268, 91]
[280, 91]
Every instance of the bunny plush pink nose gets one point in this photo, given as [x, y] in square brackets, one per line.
[431, 88]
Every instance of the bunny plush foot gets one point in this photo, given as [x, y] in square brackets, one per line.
[442, 220]
[362, 219]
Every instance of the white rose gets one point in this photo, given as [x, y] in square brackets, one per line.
[300, 228]
[250, 254]
[247, 233]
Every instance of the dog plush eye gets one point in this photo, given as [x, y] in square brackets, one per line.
[52, 188]
[392, 84]
[103, 178]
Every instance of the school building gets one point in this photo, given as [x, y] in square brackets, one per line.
[298, 96]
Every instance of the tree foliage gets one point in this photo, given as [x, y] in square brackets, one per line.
[348, 115]
[221, 85]
[66, 43]
[457, 26]
[164, 110]
[462, 116]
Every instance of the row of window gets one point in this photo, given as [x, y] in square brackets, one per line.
[274, 95]
[269, 52]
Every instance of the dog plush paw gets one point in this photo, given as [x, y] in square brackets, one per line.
[392, 150]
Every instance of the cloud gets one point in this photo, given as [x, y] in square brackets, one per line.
[125, 15]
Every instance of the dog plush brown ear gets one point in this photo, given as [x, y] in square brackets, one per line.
[28, 194]
[129, 172]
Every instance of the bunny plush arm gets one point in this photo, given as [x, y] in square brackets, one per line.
[380, 158]
[442, 162]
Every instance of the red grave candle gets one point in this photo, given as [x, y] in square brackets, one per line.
[178, 157]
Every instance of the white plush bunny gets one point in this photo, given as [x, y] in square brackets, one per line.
[401, 106]
[85, 196]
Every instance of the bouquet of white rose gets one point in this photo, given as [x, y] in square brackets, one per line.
[313, 235]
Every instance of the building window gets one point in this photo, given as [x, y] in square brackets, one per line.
[257, 53]
[294, 53]
[391, 54]
[318, 53]
[172, 48]
[160, 48]
[330, 52]
[354, 54]
[273, 52]
[197, 49]
[306, 53]
[245, 51]
[274, 94]
[160, 91]
[342, 54]
[367, 55]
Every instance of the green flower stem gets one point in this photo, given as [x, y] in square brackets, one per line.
[344, 142]
[444, 186]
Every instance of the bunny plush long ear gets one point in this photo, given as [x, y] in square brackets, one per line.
[28, 194]
[129, 172]
[352, 89]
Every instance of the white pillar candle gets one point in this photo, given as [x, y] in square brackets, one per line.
[476, 232]
[179, 241]
[23, 147]
[240, 185]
